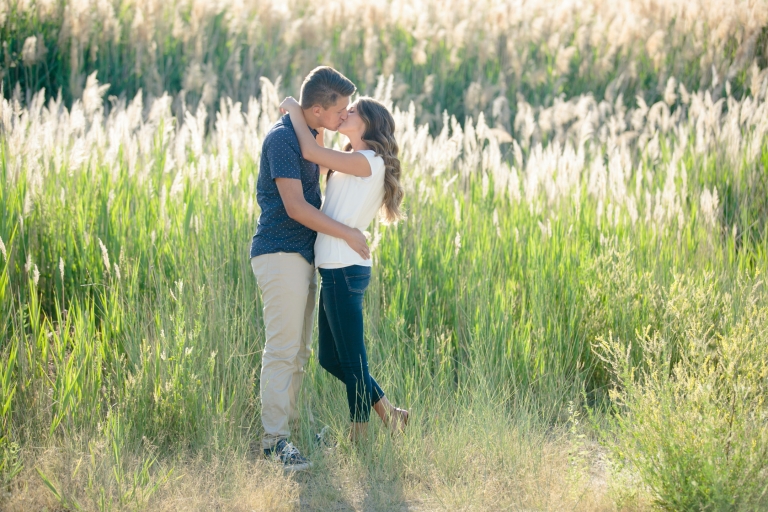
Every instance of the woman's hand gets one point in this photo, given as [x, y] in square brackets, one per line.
[288, 104]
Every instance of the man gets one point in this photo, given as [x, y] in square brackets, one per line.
[282, 255]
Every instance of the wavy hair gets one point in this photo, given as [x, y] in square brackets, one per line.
[379, 135]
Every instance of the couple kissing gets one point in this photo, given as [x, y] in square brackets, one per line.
[299, 232]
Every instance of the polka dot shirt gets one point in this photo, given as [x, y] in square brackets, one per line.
[281, 158]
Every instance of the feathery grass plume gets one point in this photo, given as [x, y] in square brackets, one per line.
[376, 239]
[456, 211]
[104, 256]
[587, 45]
[496, 222]
[709, 203]
[552, 171]
[29, 53]
[2, 250]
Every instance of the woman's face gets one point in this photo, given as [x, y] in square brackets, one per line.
[353, 125]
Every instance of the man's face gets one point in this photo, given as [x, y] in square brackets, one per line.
[331, 118]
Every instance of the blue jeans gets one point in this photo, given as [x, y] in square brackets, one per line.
[341, 344]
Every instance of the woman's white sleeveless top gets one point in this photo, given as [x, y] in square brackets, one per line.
[353, 201]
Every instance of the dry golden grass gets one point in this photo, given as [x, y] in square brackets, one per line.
[233, 485]
[503, 469]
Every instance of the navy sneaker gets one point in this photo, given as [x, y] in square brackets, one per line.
[288, 455]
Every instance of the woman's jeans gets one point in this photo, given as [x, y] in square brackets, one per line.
[340, 328]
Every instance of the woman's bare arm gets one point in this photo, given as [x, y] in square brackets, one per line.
[341, 161]
[321, 142]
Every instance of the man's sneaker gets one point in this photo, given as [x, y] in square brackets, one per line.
[289, 455]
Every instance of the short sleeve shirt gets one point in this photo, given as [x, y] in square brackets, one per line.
[281, 158]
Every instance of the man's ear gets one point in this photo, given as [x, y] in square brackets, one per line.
[316, 110]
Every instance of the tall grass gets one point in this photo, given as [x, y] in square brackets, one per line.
[131, 327]
[463, 56]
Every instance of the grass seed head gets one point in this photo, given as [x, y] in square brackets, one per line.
[104, 256]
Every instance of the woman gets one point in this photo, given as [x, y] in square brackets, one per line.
[366, 181]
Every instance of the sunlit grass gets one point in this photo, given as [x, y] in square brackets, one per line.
[464, 56]
[556, 266]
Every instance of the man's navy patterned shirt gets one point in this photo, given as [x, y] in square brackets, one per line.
[281, 158]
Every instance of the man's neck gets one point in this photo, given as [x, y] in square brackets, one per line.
[311, 120]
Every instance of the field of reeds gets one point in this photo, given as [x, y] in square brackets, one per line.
[574, 311]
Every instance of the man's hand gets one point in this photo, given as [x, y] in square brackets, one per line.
[301, 211]
[357, 241]
[289, 103]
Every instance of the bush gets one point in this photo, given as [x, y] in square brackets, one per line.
[691, 419]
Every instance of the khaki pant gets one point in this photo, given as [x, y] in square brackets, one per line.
[288, 287]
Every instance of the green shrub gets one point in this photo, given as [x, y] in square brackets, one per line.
[692, 419]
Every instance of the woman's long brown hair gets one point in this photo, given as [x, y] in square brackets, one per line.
[379, 135]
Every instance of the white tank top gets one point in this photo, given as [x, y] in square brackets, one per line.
[353, 201]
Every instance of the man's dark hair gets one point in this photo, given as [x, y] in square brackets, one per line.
[324, 86]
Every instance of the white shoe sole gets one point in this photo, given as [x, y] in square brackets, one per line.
[290, 468]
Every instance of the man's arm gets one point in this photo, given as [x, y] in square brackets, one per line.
[301, 211]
